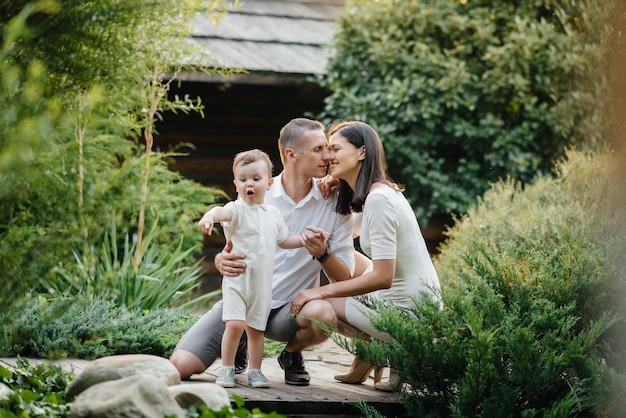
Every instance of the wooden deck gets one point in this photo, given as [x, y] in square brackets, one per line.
[324, 397]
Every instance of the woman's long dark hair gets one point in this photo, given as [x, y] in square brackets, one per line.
[372, 169]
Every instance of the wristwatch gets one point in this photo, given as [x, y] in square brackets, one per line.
[324, 256]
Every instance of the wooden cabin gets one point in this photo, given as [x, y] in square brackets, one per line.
[281, 46]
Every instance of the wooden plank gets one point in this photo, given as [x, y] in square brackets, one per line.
[202, 165]
[324, 395]
[222, 94]
[322, 363]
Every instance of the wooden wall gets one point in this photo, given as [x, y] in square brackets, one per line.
[237, 117]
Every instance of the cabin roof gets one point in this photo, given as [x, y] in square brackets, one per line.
[271, 36]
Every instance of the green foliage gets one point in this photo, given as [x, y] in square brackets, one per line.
[42, 226]
[103, 42]
[272, 348]
[80, 84]
[533, 283]
[368, 410]
[36, 391]
[84, 328]
[238, 411]
[464, 93]
[162, 280]
[25, 122]
[88, 328]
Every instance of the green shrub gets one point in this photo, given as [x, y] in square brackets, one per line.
[89, 328]
[533, 282]
[464, 93]
[556, 231]
[85, 328]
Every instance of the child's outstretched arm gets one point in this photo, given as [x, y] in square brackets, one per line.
[292, 241]
[297, 241]
[216, 214]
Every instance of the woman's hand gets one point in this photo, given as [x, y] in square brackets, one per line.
[328, 185]
[227, 264]
[302, 298]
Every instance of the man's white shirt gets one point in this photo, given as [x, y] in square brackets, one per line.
[295, 269]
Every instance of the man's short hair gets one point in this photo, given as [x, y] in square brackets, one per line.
[292, 133]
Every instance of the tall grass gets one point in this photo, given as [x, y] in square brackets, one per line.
[163, 279]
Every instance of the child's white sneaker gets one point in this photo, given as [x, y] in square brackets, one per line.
[257, 379]
[226, 377]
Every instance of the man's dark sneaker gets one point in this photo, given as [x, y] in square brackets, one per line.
[293, 365]
[241, 359]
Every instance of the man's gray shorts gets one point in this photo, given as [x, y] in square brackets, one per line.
[204, 338]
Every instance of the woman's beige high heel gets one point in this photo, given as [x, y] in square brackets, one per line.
[360, 372]
[390, 385]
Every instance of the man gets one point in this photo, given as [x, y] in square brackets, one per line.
[304, 153]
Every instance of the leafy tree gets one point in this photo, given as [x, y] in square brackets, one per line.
[26, 122]
[82, 83]
[464, 93]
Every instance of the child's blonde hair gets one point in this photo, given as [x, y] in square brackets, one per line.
[251, 156]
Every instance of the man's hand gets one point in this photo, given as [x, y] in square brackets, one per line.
[227, 264]
[314, 240]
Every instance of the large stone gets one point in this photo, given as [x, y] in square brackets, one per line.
[139, 396]
[119, 366]
[213, 396]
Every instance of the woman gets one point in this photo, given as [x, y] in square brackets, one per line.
[401, 269]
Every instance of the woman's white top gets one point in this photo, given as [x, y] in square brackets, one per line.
[390, 231]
